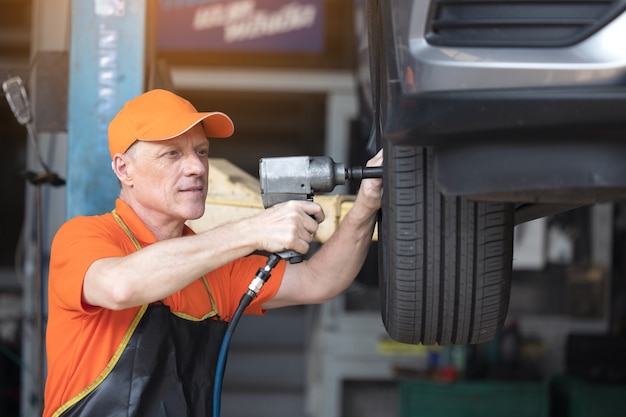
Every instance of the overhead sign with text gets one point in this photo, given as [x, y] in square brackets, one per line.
[241, 25]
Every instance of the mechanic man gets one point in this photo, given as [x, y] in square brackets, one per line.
[139, 304]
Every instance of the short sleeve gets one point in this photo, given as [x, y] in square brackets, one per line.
[76, 246]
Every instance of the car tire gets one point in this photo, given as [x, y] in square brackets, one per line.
[445, 263]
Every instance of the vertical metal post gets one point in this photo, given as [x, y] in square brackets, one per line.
[106, 69]
[39, 287]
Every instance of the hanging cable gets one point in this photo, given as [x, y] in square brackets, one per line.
[261, 277]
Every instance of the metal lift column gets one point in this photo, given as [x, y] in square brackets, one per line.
[106, 69]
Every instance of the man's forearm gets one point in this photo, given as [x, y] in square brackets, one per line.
[341, 258]
[160, 269]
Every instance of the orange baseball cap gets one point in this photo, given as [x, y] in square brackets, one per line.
[161, 115]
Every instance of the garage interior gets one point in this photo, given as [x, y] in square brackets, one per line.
[561, 352]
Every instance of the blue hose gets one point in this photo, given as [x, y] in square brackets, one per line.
[223, 355]
[261, 278]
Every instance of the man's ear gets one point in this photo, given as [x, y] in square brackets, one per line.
[121, 169]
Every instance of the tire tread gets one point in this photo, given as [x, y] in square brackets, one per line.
[446, 261]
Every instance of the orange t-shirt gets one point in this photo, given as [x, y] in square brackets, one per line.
[80, 339]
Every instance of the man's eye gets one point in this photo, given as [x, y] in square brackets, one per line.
[203, 152]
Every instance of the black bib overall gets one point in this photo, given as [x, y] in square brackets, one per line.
[167, 368]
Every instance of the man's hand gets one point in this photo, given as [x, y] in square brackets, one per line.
[287, 226]
[369, 196]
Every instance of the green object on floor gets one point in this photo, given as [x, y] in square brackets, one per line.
[476, 398]
[576, 397]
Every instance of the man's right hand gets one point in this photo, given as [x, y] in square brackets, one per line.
[286, 226]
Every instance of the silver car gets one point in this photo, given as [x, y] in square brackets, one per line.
[491, 114]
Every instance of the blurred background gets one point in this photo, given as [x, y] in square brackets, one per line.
[290, 88]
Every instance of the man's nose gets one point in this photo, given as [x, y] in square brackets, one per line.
[195, 165]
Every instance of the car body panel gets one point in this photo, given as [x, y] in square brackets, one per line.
[468, 102]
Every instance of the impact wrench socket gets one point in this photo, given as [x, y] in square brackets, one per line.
[300, 177]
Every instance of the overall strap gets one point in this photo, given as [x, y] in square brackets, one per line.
[126, 229]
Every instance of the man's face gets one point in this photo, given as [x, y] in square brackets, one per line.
[169, 178]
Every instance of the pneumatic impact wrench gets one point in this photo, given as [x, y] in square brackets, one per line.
[301, 177]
